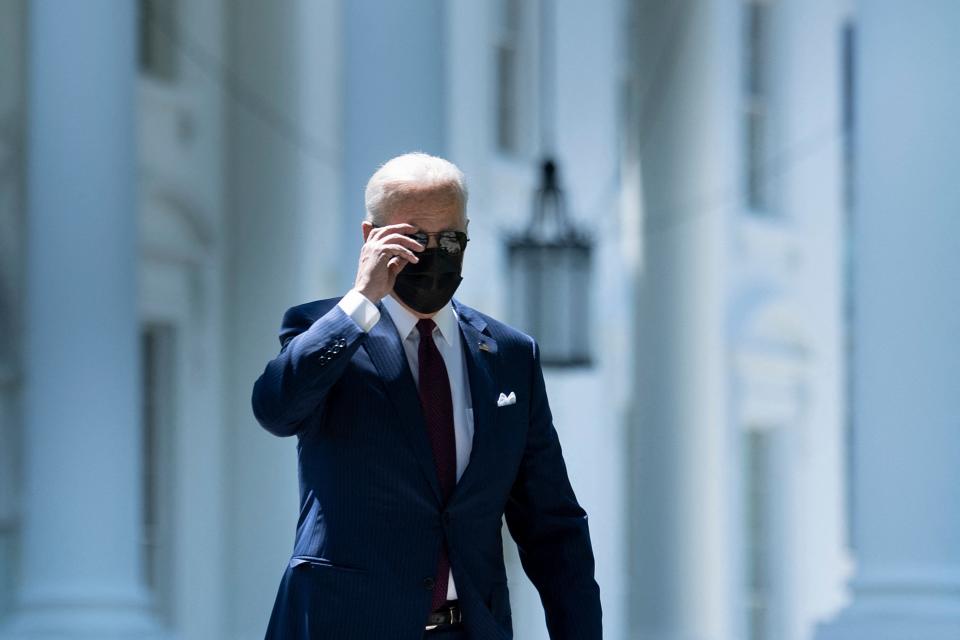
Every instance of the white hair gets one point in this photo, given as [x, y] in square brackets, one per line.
[398, 177]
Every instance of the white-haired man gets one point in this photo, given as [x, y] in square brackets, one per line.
[420, 424]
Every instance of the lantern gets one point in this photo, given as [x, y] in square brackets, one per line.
[549, 267]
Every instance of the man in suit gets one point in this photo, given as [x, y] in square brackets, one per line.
[420, 423]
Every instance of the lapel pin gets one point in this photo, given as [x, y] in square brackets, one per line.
[484, 347]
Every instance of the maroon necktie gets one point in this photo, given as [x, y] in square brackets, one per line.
[437, 403]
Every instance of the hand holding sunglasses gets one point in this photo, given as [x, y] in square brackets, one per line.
[386, 250]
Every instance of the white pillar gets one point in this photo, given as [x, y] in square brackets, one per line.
[906, 367]
[684, 577]
[80, 570]
[284, 247]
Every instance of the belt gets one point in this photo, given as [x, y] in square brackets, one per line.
[447, 615]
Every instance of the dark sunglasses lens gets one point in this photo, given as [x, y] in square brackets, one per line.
[452, 241]
[448, 241]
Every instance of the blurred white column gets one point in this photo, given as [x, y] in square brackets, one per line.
[80, 571]
[906, 511]
[684, 574]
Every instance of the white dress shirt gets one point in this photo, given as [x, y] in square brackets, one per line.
[446, 335]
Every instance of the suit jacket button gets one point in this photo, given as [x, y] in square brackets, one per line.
[428, 583]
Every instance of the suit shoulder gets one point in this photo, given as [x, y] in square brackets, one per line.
[505, 335]
[309, 310]
[299, 317]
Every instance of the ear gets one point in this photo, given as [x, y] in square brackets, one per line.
[365, 228]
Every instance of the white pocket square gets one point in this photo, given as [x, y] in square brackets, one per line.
[505, 399]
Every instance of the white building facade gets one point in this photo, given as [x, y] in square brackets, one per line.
[737, 452]
[158, 215]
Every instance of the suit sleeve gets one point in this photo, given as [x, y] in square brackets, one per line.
[313, 356]
[550, 528]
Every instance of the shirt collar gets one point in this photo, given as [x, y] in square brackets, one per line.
[445, 319]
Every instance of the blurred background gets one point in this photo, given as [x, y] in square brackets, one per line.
[732, 224]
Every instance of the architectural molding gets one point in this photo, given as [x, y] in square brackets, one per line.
[173, 229]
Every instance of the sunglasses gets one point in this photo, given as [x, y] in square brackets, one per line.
[451, 242]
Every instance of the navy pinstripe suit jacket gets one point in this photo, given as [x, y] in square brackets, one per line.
[372, 517]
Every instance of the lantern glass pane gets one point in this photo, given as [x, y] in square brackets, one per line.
[550, 298]
[580, 303]
[554, 319]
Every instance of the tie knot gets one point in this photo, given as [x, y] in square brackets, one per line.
[425, 327]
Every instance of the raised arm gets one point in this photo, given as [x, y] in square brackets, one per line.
[313, 355]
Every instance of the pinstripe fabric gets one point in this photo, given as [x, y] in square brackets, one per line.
[372, 512]
[455, 633]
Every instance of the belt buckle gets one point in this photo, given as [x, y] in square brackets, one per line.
[456, 616]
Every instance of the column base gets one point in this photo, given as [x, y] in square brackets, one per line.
[854, 625]
[87, 625]
[899, 605]
[84, 622]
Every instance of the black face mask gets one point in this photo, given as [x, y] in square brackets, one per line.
[429, 284]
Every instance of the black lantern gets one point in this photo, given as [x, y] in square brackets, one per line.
[549, 267]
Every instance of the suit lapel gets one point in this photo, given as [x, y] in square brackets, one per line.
[479, 361]
[385, 349]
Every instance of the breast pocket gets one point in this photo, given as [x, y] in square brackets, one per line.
[315, 562]
[511, 422]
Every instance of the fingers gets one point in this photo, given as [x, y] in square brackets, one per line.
[403, 227]
[393, 236]
[398, 250]
[386, 251]
[397, 238]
